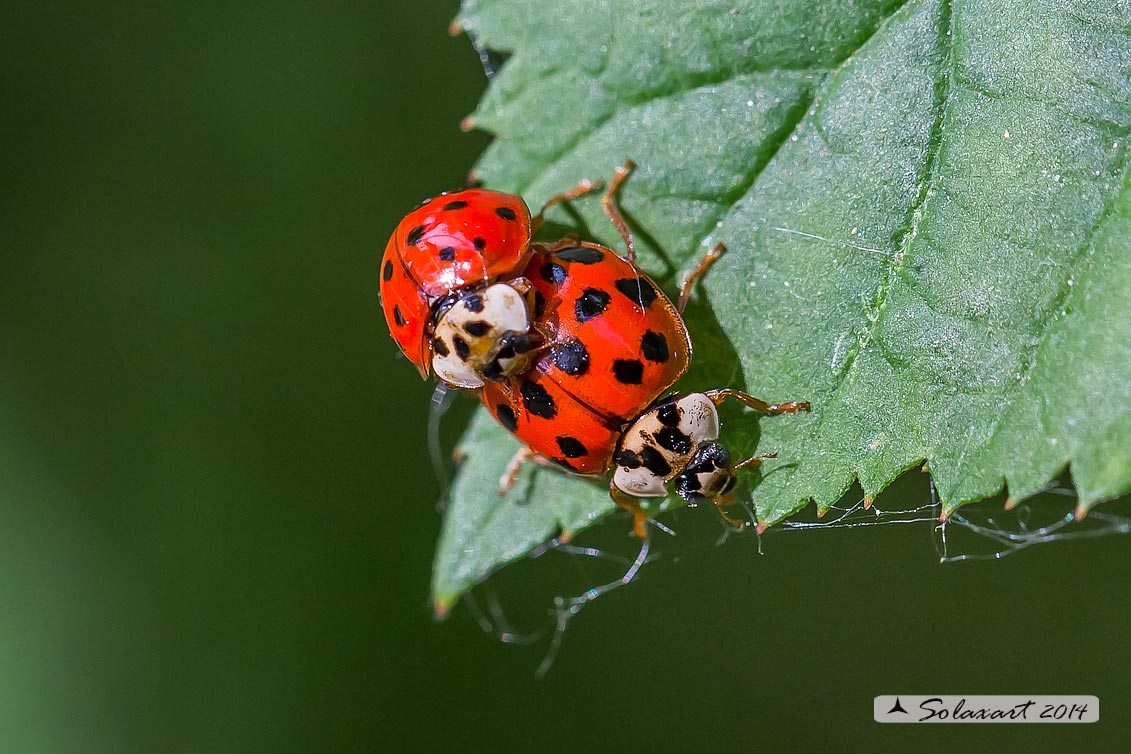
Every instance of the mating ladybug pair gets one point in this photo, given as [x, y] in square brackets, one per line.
[569, 345]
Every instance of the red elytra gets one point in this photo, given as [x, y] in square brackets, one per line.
[615, 344]
[458, 239]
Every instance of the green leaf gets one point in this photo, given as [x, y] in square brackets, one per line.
[928, 210]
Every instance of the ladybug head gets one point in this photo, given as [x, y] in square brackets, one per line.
[709, 475]
[483, 334]
[509, 354]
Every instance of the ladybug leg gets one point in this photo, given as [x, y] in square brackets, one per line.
[522, 455]
[632, 505]
[608, 203]
[570, 239]
[751, 462]
[705, 263]
[718, 396]
[721, 504]
[581, 189]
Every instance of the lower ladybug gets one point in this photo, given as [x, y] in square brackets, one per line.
[588, 403]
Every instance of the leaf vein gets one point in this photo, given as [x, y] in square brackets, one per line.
[623, 105]
[914, 215]
[1029, 358]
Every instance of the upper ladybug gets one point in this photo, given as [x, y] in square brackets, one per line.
[465, 238]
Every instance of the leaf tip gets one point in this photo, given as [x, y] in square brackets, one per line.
[440, 609]
[1011, 503]
[761, 527]
[868, 500]
[467, 124]
[1081, 511]
[455, 28]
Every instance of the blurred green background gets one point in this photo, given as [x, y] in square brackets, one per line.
[216, 504]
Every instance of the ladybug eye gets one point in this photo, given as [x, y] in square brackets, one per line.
[638, 290]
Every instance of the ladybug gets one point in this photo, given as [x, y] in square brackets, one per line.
[614, 344]
[452, 241]
[443, 264]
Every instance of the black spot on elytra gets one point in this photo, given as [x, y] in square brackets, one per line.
[415, 234]
[653, 460]
[564, 464]
[628, 371]
[638, 290]
[571, 447]
[581, 254]
[447, 254]
[397, 316]
[458, 204]
[571, 357]
[506, 213]
[552, 273]
[477, 329]
[654, 346]
[674, 440]
[539, 304]
[506, 417]
[537, 401]
[387, 270]
[462, 349]
[479, 243]
[590, 303]
[668, 414]
[440, 348]
[473, 302]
